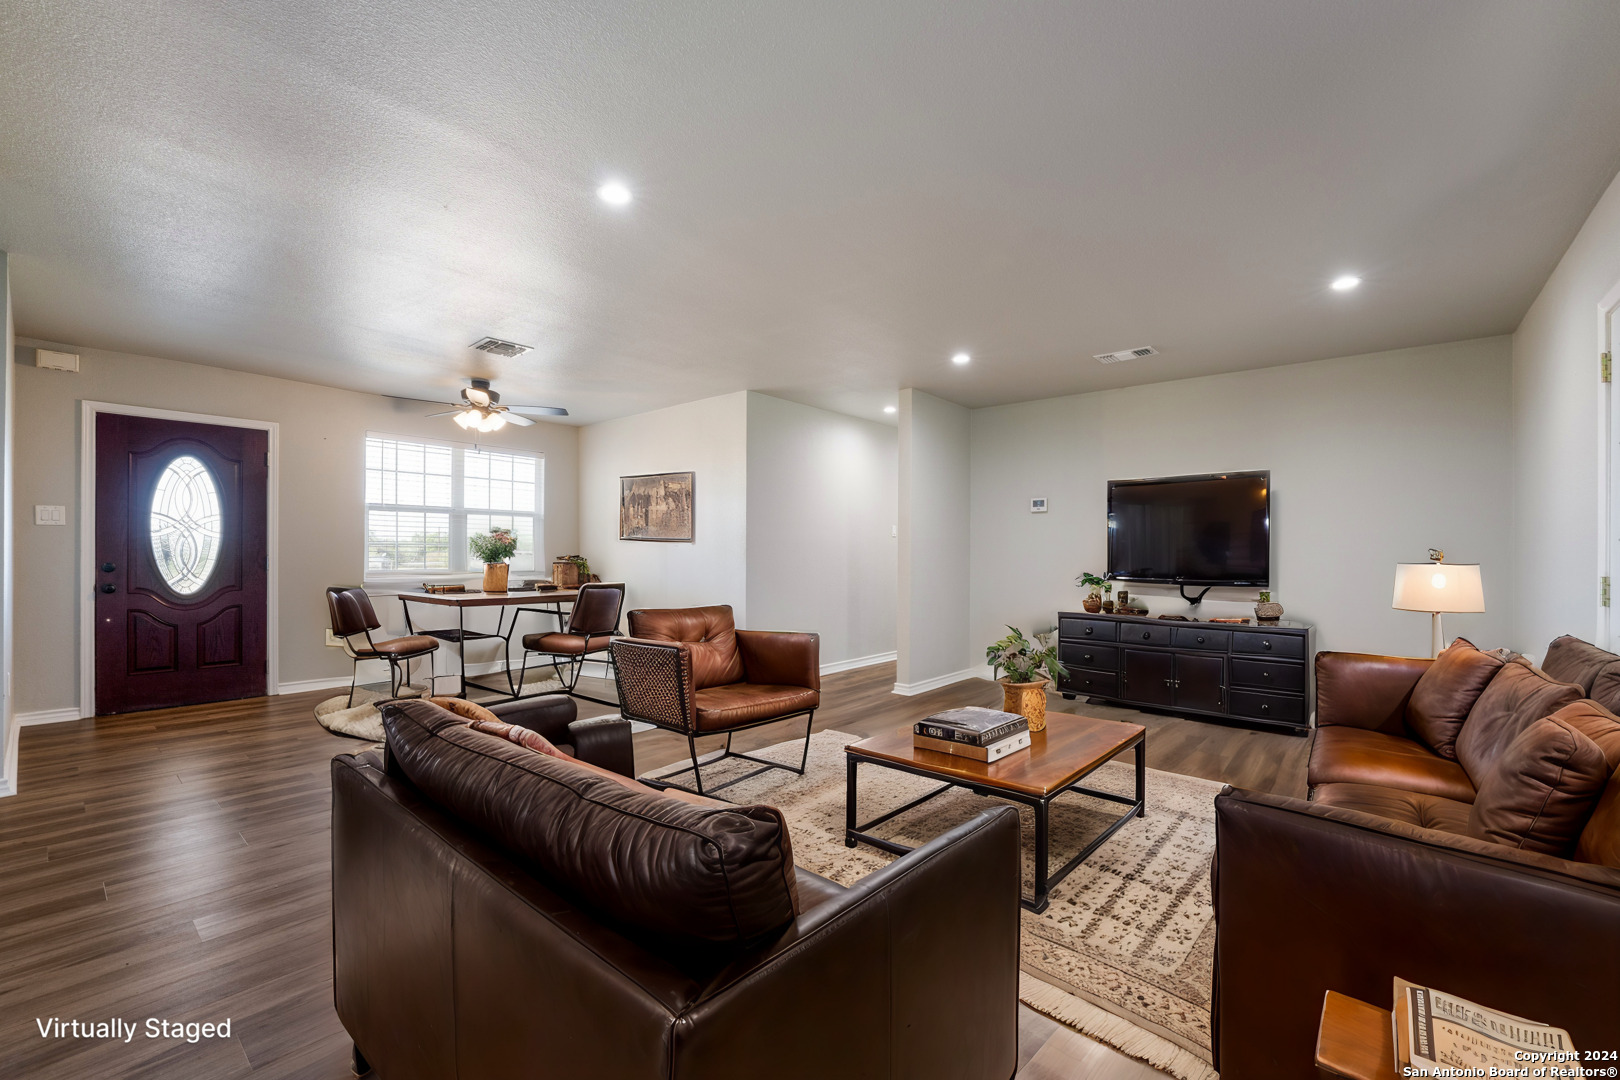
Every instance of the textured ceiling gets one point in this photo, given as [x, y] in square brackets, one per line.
[830, 197]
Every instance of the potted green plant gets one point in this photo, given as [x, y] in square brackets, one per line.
[1093, 601]
[1108, 598]
[1029, 667]
[567, 571]
[492, 549]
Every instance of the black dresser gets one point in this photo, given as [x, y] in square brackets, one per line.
[1259, 673]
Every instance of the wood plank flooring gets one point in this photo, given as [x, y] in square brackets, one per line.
[176, 865]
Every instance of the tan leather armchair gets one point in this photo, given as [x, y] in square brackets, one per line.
[691, 671]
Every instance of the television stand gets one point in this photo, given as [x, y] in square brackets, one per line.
[1256, 674]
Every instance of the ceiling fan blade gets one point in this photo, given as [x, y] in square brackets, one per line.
[538, 410]
[514, 418]
[449, 412]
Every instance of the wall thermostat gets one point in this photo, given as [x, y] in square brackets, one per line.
[1037, 506]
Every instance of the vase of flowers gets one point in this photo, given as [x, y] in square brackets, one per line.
[493, 549]
[1030, 668]
[1094, 600]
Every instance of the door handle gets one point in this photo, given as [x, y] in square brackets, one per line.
[109, 587]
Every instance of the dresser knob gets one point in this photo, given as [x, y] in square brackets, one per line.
[1146, 634]
[1200, 639]
[1267, 644]
[1087, 656]
[1088, 631]
[1265, 708]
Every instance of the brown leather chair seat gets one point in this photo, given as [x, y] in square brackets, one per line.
[414, 645]
[722, 708]
[1352, 755]
[566, 644]
[1411, 807]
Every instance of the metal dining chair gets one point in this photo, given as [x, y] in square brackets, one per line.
[592, 625]
[354, 617]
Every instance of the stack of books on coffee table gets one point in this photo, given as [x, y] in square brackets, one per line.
[973, 732]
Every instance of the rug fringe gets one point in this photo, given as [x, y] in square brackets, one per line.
[1104, 1026]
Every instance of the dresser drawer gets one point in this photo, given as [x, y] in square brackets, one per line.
[1087, 629]
[1192, 637]
[1271, 676]
[1144, 633]
[1290, 645]
[1091, 683]
[1083, 654]
[1278, 708]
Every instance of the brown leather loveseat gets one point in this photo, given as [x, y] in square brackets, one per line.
[503, 910]
[1463, 831]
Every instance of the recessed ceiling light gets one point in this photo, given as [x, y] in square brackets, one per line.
[961, 358]
[890, 409]
[1345, 282]
[614, 193]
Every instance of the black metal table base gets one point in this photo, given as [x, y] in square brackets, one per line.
[459, 635]
[1044, 882]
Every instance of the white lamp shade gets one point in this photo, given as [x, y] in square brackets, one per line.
[1434, 586]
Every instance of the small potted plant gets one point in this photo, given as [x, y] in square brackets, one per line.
[1093, 601]
[1108, 598]
[1265, 611]
[569, 571]
[1030, 666]
[493, 549]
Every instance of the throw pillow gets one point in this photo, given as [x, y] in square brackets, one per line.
[1606, 688]
[1444, 695]
[467, 710]
[1520, 695]
[481, 719]
[1571, 660]
[1541, 791]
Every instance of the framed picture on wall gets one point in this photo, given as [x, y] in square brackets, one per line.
[657, 506]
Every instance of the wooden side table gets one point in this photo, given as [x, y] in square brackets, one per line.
[1356, 1040]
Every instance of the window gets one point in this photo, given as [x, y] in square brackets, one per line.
[423, 499]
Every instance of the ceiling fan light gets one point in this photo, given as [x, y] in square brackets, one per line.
[476, 395]
[492, 422]
[467, 419]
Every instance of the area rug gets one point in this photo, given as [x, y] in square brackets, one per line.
[363, 721]
[1124, 952]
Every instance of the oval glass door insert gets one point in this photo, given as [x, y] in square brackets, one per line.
[186, 524]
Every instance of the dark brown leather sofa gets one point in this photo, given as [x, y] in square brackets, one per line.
[500, 912]
[1378, 875]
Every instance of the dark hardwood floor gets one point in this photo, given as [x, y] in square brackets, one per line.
[176, 865]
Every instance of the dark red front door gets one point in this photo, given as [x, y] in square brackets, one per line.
[180, 562]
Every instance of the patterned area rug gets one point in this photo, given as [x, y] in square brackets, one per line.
[1125, 950]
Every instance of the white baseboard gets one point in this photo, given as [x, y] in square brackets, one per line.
[911, 689]
[48, 716]
[859, 662]
[8, 761]
[418, 674]
[304, 685]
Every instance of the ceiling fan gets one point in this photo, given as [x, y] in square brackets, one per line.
[481, 410]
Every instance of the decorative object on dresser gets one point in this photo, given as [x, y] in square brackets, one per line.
[1438, 586]
[493, 548]
[1197, 669]
[657, 506]
[1265, 611]
[1027, 668]
[1108, 598]
[1093, 601]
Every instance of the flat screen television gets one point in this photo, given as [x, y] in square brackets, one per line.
[1191, 530]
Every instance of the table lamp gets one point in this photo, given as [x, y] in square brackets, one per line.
[1437, 586]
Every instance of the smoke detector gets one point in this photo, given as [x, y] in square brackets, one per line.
[500, 348]
[1125, 354]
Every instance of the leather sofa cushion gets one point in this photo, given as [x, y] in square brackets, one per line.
[1571, 660]
[1520, 695]
[1447, 691]
[1541, 791]
[1348, 755]
[1600, 840]
[1408, 807]
[1606, 688]
[1596, 723]
[674, 875]
[712, 632]
[721, 708]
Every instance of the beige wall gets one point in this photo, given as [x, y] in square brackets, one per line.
[1373, 460]
[321, 533]
[933, 635]
[1558, 440]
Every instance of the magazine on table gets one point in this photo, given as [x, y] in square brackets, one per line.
[1434, 1029]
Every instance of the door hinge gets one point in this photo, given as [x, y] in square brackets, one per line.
[1606, 367]
[1605, 591]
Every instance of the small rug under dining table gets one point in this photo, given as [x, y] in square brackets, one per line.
[1125, 950]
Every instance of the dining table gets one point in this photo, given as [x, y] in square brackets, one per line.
[515, 601]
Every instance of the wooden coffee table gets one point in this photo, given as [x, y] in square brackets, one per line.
[1057, 760]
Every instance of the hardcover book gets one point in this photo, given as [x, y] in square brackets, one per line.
[973, 725]
[994, 752]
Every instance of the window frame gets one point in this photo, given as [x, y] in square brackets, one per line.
[457, 512]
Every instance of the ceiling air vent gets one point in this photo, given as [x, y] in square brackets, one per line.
[1126, 354]
[500, 348]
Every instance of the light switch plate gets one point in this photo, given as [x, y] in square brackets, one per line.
[50, 515]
